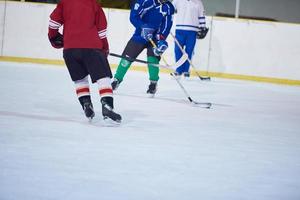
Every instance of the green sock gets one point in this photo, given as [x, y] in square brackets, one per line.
[153, 70]
[122, 69]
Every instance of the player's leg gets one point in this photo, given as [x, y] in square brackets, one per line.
[97, 64]
[181, 38]
[84, 97]
[131, 51]
[79, 76]
[189, 48]
[153, 71]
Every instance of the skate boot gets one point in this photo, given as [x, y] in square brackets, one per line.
[88, 110]
[107, 110]
[186, 74]
[152, 88]
[87, 106]
[115, 84]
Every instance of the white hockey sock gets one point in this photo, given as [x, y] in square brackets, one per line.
[82, 87]
[105, 89]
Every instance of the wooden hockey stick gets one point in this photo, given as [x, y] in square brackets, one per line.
[189, 60]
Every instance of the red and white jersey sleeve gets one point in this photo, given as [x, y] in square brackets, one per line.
[56, 21]
[101, 24]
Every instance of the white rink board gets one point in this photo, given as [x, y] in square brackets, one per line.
[233, 46]
[255, 48]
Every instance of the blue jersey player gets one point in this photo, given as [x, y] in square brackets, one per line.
[152, 19]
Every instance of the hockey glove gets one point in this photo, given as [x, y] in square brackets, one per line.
[202, 32]
[57, 41]
[147, 32]
[162, 45]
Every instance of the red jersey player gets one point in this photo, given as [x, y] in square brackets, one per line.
[85, 49]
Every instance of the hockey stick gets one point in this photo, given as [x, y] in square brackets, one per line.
[189, 60]
[183, 58]
[201, 104]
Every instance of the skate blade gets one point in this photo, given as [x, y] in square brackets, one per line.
[151, 95]
[90, 119]
[109, 122]
[187, 78]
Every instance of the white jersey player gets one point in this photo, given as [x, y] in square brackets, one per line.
[190, 24]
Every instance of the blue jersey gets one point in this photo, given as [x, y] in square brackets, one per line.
[156, 15]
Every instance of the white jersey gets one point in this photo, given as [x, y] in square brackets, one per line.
[190, 15]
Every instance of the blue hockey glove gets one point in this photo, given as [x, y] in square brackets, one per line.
[147, 32]
[162, 45]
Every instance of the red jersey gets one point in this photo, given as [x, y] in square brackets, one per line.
[84, 24]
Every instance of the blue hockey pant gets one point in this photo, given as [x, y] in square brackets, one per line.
[187, 40]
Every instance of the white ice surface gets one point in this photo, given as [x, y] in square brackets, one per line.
[247, 147]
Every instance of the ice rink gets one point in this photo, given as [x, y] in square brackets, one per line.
[246, 147]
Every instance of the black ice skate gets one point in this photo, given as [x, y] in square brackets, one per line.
[186, 74]
[87, 106]
[88, 110]
[115, 84]
[108, 113]
[107, 110]
[152, 88]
